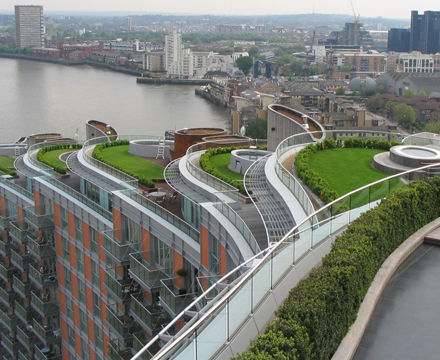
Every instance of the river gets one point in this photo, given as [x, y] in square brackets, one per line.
[38, 97]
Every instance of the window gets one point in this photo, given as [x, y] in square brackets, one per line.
[93, 236]
[80, 260]
[66, 249]
[98, 337]
[71, 335]
[97, 305]
[67, 279]
[78, 229]
[84, 350]
[214, 255]
[83, 321]
[64, 219]
[82, 291]
[69, 307]
[95, 272]
[163, 256]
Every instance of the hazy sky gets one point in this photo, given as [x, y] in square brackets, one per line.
[369, 8]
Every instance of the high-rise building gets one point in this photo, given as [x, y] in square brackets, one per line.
[425, 32]
[398, 40]
[29, 26]
[173, 49]
[129, 22]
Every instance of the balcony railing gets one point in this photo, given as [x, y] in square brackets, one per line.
[41, 279]
[10, 344]
[122, 324]
[19, 231]
[139, 341]
[5, 219]
[173, 297]
[145, 313]
[145, 272]
[5, 248]
[6, 273]
[22, 287]
[45, 333]
[44, 306]
[7, 296]
[118, 244]
[39, 216]
[41, 248]
[17, 188]
[45, 354]
[25, 314]
[20, 260]
[117, 352]
[26, 337]
[121, 288]
[9, 319]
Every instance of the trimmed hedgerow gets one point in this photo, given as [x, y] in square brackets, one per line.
[56, 167]
[318, 312]
[207, 166]
[97, 154]
[311, 178]
[7, 171]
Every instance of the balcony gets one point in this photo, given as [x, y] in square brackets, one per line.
[150, 317]
[139, 341]
[118, 245]
[41, 247]
[24, 355]
[22, 287]
[10, 344]
[8, 318]
[41, 280]
[5, 248]
[7, 296]
[120, 287]
[6, 273]
[145, 273]
[117, 352]
[20, 260]
[174, 299]
[19, 231]
[47, 334]
[43, 305]
[45, 354]
[24, 313]
[123, 325]
[26, 337]
[5, 219]
[39, 216]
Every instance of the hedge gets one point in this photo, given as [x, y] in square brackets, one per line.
[7, 171]
[311, 178]
[97, 154]
[318, 312]
[57, 168]
[207, 166]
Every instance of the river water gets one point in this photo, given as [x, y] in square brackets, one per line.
[38, 97]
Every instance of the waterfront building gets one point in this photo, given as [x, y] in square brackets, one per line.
[173, 49]
[29, 26]
[414, 62]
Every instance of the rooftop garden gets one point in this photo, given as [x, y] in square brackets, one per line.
[50, 156]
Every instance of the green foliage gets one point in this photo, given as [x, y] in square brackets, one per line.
[257, 129]
[433, 127]
[319, 311]
[97, 154]
[408, 94]
[254, 51]
[340, 91]
[345, 69]
[422, 93]
[56, 167]
[244, 63]
[406, 116]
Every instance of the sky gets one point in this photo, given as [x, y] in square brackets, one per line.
[372, 8]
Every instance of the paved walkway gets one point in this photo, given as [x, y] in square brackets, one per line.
[406, 322]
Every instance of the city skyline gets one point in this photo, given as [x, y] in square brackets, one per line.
[373, 8]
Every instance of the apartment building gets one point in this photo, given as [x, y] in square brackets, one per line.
[29, 26]
[414, 62]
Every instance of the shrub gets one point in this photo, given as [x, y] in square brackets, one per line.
[56, 168]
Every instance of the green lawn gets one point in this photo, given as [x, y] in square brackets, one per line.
[349, 169]
[119, 155]
[52, 157]
[6, 161]
[221, 163]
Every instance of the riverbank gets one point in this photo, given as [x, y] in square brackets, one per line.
[144, 80]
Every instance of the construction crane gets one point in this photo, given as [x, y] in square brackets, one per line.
[356, 24]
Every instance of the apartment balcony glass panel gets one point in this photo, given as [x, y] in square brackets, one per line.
[25, 314]
[19, 231]
[26, 337]
[41, 279]
[10, 344]
[123, 325]
[139, 341]
[117, 352]
[120, 287]
[5, 248]
[6, 219]
[47, 334]
[43, 305]
[148, 316]
[22, 287]
[173, 298]
[20, 260]
[8, 319]
[6, 273]
[7, 296]
[22, 355]
[145, 273]
[118, 245]
[44, 354]
[41, 247]
[39, 216]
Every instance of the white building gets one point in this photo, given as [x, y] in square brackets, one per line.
[413, 62]
[173, 50]
[29, 26]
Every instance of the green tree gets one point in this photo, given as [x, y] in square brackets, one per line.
[257, 129]
[315, 70]
[238, 49]
[196, 41]
[340, 91]
[345, 69]
[432, 127]
[244, 63]
[405, 115]
[254, 51]
[408, 94]
[422, 93]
